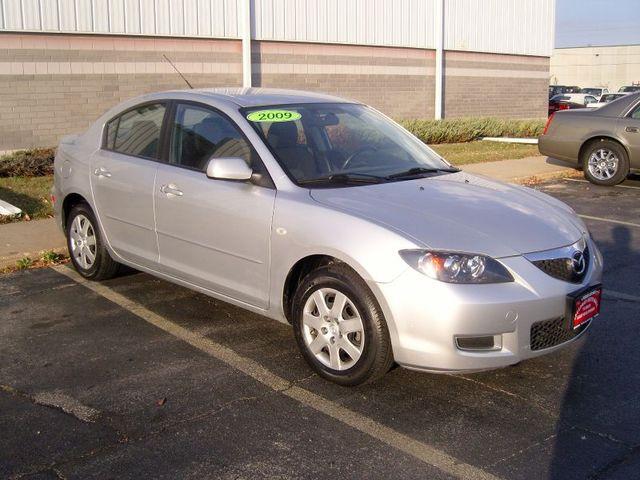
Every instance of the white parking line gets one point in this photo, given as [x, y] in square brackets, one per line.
[616, 186]
[421, 451]
[619, 222]
[621, 296]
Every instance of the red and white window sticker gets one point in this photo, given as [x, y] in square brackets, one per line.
[587, 307]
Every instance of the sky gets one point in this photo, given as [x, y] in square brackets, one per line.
[597, 22]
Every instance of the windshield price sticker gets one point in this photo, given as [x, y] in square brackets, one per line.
[273, 116]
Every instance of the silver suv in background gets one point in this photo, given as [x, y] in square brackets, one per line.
[324, 213]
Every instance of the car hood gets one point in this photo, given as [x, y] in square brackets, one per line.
[462, 212]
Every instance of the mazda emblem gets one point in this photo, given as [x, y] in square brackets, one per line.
[578, 263]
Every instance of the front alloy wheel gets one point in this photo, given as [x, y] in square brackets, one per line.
[332, 329]
[339, 326]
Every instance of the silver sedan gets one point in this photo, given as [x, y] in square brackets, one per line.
[324, 213]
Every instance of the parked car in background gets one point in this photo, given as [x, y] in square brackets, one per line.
[630, 88]
[568, 101]
[558, 89]
[324, 213]
[606, 98]
[595, 91]
[604, 143]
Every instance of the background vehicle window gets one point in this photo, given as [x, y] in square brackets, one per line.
[588, 100]
[200, 134]
[138, 131]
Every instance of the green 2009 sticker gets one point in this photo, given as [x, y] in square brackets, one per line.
[273, 116]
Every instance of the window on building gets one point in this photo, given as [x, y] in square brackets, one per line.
[137, 131]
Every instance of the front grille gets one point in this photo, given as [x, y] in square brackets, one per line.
[549, 333]
[563, 268]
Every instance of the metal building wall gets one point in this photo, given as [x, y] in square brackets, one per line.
[179, 18]
[523, 27]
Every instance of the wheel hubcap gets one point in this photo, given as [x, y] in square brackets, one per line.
[332, 329]
[603, 164]
[83, 242]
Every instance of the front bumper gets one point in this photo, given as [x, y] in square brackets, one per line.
[426, 316]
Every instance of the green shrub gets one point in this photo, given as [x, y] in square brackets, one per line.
[24, 263]
[35, 162]
[468, 129]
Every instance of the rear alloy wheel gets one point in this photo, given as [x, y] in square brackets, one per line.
[86, 250]
[605, 163]
[340, 328]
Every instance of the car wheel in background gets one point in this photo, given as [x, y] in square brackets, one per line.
[86, 249]
[340, 328]
[605, 163]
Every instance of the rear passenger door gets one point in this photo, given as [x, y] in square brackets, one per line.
[213, 233]
[122, 180]
[629, 132]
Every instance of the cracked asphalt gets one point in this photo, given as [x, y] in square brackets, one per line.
[140, 378]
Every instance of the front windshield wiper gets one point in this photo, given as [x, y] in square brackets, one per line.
[412, 172]
[345, 178]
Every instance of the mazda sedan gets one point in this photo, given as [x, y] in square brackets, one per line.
[324, 213]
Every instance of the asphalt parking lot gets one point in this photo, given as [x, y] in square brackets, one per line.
[139, 378]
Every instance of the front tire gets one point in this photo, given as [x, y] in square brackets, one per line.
[340, 328]
[605, 163]
[86, 248]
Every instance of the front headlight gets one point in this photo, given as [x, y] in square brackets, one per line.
[454, 267]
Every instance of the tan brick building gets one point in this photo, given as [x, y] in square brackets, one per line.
[63, 62]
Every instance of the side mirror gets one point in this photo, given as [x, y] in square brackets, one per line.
[228, 168]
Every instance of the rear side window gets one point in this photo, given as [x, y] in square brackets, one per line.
[110, 134]
[635, 114]
[137, 132]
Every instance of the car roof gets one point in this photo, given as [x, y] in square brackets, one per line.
[620, 106]
[253, 97]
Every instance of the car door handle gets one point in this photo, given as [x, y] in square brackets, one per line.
[102, 172]
[631, 129]
[171, 189]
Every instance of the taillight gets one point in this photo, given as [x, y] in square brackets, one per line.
[546, 125]
[563, 106]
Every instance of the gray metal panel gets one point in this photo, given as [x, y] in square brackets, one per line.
[500, 26]
[496, 26]
[406, 23]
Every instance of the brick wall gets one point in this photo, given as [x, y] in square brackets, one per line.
[396, 81]
[481, 84]
[52, 85]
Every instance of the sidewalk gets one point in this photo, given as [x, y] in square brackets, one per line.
[516, 171]
[22, 239]
[28, 239]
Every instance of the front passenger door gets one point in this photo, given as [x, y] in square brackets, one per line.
[213, 233]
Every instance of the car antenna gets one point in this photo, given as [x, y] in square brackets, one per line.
[176, 69]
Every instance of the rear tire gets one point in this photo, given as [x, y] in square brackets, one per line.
[340, 328]
[605, 163]
[86, 247]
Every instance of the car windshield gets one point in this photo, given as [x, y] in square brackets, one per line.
[630, 89]
[321, 144]
[591, 91]
[561, 98]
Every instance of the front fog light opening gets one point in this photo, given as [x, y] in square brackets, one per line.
[479, 343]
